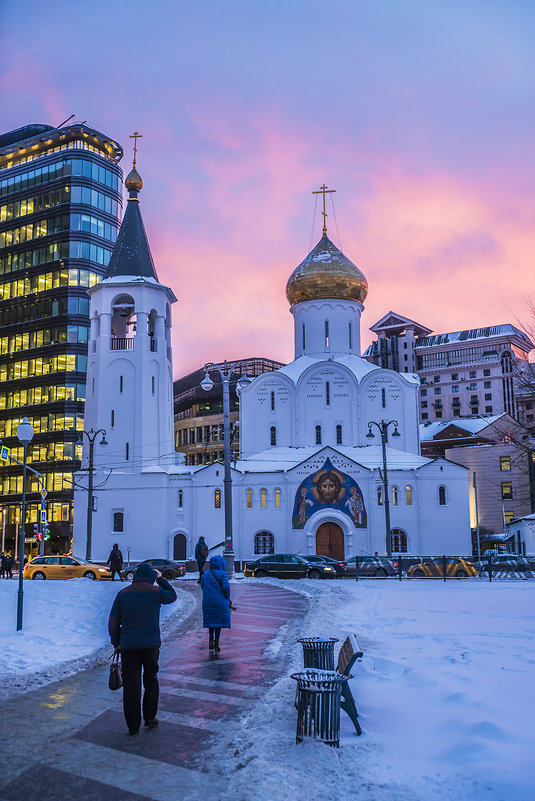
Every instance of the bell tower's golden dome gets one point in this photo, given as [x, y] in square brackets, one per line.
[326, 273]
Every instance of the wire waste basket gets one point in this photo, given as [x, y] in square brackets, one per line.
[318, 705]
[318, 652]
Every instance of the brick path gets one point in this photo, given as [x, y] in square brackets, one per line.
[69, 740]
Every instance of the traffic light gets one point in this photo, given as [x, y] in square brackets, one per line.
[36, 533]
[46, 531]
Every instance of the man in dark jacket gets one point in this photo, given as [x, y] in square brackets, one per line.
[201, 555]
[115, 561]
[134, 628]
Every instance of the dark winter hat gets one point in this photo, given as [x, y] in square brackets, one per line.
[145, 573]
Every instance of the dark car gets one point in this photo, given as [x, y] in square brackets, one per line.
[169, 570]
[340, 567]
[287, 565]
[508, 562]
[377, 566]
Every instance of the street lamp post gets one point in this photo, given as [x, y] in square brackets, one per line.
[25, 434]
[91, 436]
[382, 427]
[225, 372]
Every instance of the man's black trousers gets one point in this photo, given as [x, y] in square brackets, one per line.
[133, 661]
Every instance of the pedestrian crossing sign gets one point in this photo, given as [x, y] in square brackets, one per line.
[4, 453]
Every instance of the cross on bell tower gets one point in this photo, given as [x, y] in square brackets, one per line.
[323, 190]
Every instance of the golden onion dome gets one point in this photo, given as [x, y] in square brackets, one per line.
[326, 273]
[134, 181]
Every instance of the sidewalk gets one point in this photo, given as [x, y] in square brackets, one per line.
[69, 740]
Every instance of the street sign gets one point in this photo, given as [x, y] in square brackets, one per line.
[4, 453]
[43, 493]
[43, 517]
[43, 504]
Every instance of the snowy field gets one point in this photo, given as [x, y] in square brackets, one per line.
[445, 694]
[65, 625]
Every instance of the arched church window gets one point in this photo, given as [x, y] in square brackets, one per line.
[273, 435]
[350, 336]
[442, 495]
[383, 398]
[277, 499]
[327, 393]
[112, 418]
[318, 435]
[263, 498]
[153, 385]
[304, 338]
[395, 496]
[408, 495]
[338, 434]
[180, 497]
[118, 522]
[249, 498]
[326, 333]
[264, 542]
[121, 383]
[399, 540]
[217, 499]
[272, 401]
[379, 496]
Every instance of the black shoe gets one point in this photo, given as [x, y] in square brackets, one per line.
[150, 724]
[217, 648]
[133, 732]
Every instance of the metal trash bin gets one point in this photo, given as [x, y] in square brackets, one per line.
[318, 652]
[318, 705]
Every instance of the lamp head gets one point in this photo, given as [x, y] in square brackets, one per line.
[243, 382]
[370, 434]
[396, 433]
[103, 441]
[207, 382]
[25, 432]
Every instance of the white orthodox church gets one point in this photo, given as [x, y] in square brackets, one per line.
[308, 480]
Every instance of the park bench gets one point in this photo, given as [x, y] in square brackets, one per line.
[349, 653]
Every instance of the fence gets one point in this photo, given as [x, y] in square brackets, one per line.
[490, 568]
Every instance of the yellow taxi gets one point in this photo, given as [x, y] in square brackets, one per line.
[64, 567]
[432, 568]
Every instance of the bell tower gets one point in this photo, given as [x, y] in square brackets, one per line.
[129, 390]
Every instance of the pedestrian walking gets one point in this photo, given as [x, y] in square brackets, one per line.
[9, 566]
[3, 565]
[134, 628]
[115, 561]
[201, 555]
[215, 601]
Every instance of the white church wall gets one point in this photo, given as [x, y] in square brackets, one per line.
[323, 327]
[445, 527]
[385, 395]
[327, 396]
[257, 415]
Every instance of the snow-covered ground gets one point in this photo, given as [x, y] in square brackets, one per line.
[445, 694]
[65, 625]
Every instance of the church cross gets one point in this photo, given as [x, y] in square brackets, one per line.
[324, 191]
[135, 136]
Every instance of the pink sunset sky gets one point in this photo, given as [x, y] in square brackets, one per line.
[420, 114]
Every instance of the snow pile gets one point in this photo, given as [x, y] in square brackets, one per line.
[62, 621]
[445, 696]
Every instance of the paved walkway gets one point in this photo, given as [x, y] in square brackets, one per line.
[69, 740]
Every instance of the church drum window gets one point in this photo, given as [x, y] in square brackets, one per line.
[264, 542]
[304, 337]
[326, 333]
[180, 499]
[350, 336]
[383, 398]
[327, 393]
[272, 401]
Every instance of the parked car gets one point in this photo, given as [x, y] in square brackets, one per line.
[287, 565]
[507, 561]
[64, 567]
[377, 566]
[433, 568]
[339, 566]
[169, 569]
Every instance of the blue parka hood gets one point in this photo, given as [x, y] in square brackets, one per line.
[217, 563]
[145, 573]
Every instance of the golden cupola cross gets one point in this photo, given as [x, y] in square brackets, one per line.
[323, 190]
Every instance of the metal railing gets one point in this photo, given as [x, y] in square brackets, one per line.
[121, 343]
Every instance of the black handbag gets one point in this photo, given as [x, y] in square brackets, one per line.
[115, 680]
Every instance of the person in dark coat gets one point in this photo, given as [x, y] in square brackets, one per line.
[115, 561]
[134, 628]
[3, 565]
[215, 601]
[10, 563]
[201, 555]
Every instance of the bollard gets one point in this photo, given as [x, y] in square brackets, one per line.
[356, 568]
[318, 706]
[444, 567]
[490, 567]
[400, 568]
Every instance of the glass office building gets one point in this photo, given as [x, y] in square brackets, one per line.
[60, 204]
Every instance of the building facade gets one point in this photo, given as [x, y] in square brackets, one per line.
[60, 203]
[199, 413]
[461, 373]
[308, 479]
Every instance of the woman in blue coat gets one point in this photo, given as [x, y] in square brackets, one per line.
[215, 600]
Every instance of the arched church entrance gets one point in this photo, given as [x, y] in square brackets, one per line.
[330, 541]
[179, 547]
